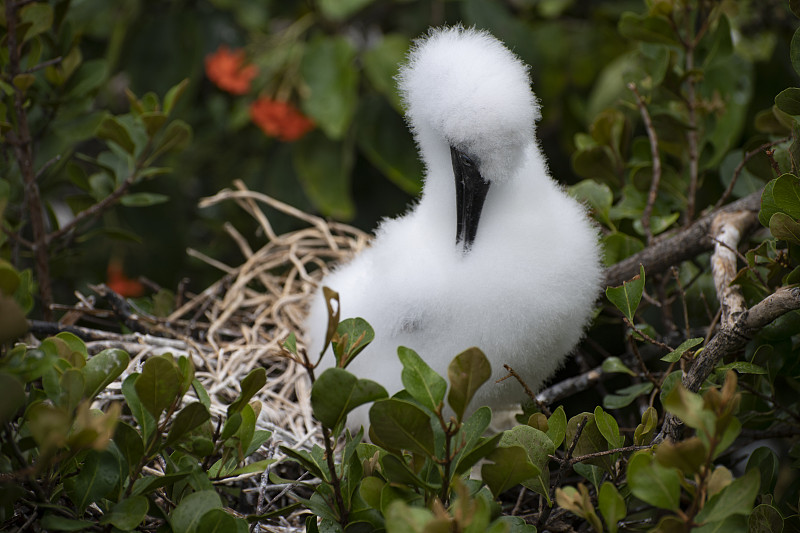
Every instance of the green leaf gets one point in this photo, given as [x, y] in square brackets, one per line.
[765, 519]
[687, 455]
[648, 29]
[96, 477]
[653, 483]
[509, 467]
[611, 505]
[618, 246]
[146, 484]
[318, 469]
[352, 336]
[13, 397]
[103, 369]
[52, 522]
[627, 297]
[608, 427]
[176, 137]
[590, 441]
[114, 130]
[788, 101]
[786, 194]
[174, 94]
[251, 384]
[742, 367]
[676, 354]
[403, 425]
[736, 498]
[643, 433]
[794, 49]
[14, 324]
[217, 521]
[339, 10]
[128, 513]
[337, 392]
[323, 167]
[143, 199]
[764, 461]
[327, 69]
[129, 443]
[623, 397]
[784, 227]
[421, 382]
[158, 385]
[186, 517]
[689, 407]
[615, 364]
[557, 426]
[467, 372]
[597, 196]
[381, 63]
[386, 142]
[188, 419]
[538, 447]
[39, 18]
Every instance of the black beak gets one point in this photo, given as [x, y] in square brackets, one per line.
[471, 191]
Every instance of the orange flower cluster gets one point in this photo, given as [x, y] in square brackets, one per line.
[228, 70]
[120, 283]
[280, 119]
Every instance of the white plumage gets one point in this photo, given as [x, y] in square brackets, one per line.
[523, 290]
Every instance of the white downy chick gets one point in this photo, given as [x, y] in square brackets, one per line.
[516, 275]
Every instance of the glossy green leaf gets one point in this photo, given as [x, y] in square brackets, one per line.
[676, 354]
[784, 227]
[352, 336]
[557, 426]
[112, 129]
[187, 419]
[615, 364]
[143, 199]
[509, 467]
[627, 297]
[764, 460]
[128, 513]
[217, 521]
[419, 379]
[539, 447]
[597, 196]
[96, 477]
[611, 505]
[736, 498]
[643, 433]
[187, 516]
[158, 385]
[53, 522]
[590, 440]
[788, 101]
[102, 369]
[252, 383]
[467, 372]
[174, 94]
[625, 396]
[608, 427]
[337, 392]
[403, 425]
[653, 483]
[786, 194]
[129, 443]
[327, 68]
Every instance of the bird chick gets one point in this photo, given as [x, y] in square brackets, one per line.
[494, 254]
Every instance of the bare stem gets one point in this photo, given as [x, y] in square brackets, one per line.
[738, 170]
[22, 144]
[656, 179]
[691, 134]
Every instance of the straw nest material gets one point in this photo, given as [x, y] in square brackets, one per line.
[240, 322]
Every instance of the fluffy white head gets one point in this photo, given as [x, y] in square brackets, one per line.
[464, 88]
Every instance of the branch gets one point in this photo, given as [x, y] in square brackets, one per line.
[654, 155]
[730, 340]
[727, 231]
[738, 170]
[685, 244]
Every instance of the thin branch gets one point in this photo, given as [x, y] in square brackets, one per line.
[512, 373]
[730, 340]
[562, 471]
[684, 244]
[44, 64]
[738, 170]
[654, 155]
[691, 134]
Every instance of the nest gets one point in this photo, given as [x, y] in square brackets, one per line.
[239, 323]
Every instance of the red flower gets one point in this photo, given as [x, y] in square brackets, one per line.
[280, 119]
[120, 283]
[228, 71]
